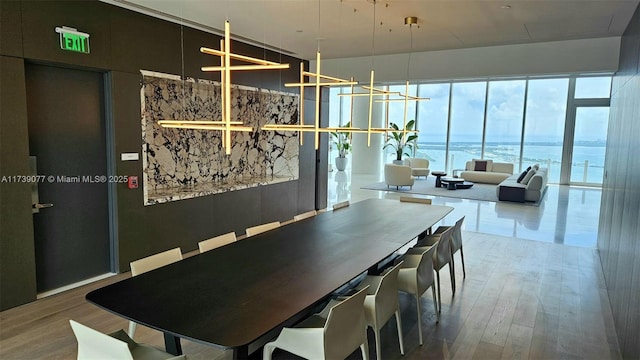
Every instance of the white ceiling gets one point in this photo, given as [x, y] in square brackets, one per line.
[345, 28]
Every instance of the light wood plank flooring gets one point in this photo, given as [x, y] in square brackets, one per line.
[521, 299]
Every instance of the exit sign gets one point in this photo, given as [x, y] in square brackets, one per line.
[73, 40]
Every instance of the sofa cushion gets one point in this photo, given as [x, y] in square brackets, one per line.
[524, 173]
[528, 177]
[488, 165]
[480, 165]
[484, 177]
[506, 168]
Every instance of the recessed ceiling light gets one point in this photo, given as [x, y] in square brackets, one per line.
[506, 6]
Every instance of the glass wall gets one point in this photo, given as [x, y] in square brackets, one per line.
[432, 124]
[505, 111]
[395, 111]
[544, 125]
[467, 118]
[519, 121]
[589, 144]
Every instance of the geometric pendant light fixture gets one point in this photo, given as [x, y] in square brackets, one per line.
[317, 80]
[225, 125]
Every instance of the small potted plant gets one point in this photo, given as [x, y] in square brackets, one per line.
[343, 144]
[401, 141]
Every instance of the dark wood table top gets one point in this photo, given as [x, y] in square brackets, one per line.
[232, 295]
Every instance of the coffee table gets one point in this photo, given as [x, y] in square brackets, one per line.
[438, 175]
[455, 183]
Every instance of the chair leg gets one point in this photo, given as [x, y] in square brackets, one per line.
[377, 337]
[452, 273]
[132, 329]
[400, 338]
[419, 310]
[364, 348]
[464, 272]
[435, 302]
[439, 294]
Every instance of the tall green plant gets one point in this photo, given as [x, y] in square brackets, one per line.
[402, 141]
[342, 141]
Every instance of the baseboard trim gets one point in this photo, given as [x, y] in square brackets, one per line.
[74, 285]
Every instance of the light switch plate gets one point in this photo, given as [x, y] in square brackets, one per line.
[129, 156]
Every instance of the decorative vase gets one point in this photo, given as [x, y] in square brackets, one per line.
[341, 163]
[398, 162]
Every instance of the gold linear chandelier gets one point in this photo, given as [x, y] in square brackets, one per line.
[319, 81]
[372, 92]
[225, 125]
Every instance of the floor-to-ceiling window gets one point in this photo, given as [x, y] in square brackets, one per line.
[504, 119]
[590, 121]
[466, 125]
[432, 124]
[395, 112]
[557, 122]
[544, 125]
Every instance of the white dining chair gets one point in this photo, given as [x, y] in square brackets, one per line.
[216, 242]
[456, 242]
[93, 344]
[413, 199]
[255, 230]
[382, 303]
[441, 257]
[416, 276]
[305, 215]
[418, 200]
[334, 333]
[340, 205]
[149, 263]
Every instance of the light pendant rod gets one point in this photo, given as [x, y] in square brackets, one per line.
[317, 117]
[300, 133]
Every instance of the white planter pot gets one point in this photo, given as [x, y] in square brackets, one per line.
[341, 163]
[398, 162]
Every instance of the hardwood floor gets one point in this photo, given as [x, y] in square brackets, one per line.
[521, 299]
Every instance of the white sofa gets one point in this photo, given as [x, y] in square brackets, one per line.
[398, 175]
[532, 190]
[419, 166]
[495, 172]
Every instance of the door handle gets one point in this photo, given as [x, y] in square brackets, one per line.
[41, 206]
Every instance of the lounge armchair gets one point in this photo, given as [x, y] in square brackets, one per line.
[398, 175]
[419, 167]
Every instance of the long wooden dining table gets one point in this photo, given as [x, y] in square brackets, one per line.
[236, 294]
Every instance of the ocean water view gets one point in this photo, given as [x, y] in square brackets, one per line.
[587, 165]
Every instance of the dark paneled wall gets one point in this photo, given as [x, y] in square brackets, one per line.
[17, 254]
[122, 43]
[618, 239]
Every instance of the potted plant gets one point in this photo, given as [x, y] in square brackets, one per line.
[401, 141]
[343, 144]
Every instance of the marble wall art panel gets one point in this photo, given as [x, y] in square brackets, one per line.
[184, 163]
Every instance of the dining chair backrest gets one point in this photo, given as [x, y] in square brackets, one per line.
[456, 236]
[216, 242]
[386, 296]
[155, 261]
[340, 205]
[345, 328]
[415, 200]
[424, 271]
[255, 230]
[305, 215]
[93, 344]
[442, 256]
